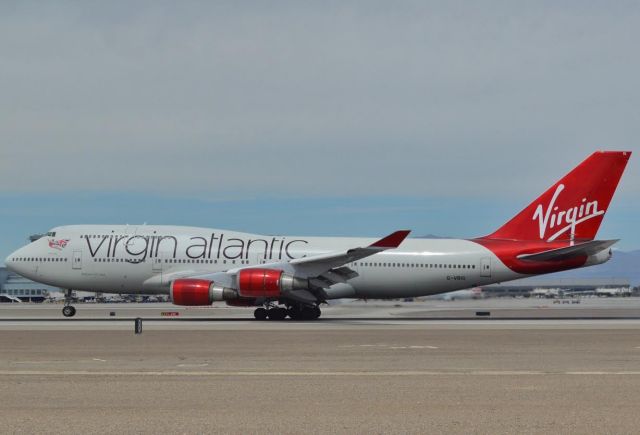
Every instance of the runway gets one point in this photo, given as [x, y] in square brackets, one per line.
[360, 371]
[381, 311]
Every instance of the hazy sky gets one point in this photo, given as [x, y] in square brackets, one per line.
[169, 111]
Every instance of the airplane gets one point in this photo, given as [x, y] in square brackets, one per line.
[286, 276]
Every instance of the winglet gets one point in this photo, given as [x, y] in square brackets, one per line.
[392, 240]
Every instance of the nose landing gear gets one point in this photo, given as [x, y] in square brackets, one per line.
[68, 310]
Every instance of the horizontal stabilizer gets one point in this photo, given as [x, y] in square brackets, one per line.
[580, 250]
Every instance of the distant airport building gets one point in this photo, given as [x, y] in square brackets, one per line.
[16, 288]
[560, 286]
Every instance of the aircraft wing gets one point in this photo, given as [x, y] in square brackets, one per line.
[327, 269]
[579, 250]
[322, 270]
[316, 264]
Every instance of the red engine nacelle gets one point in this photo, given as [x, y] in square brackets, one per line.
[267, 283]
[193, 292]
[259, 283]
[252, 284]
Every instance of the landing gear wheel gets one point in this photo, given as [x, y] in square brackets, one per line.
[277, 313]
[294, 313]
[68, 311]
[307, 313]
[260, 314]
[303, 312]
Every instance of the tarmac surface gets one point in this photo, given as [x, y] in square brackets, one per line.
[430, 367]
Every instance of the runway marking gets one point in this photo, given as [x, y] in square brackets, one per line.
[60, 361]
[313, 374]
[383, 346]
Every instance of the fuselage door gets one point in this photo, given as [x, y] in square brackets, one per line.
[156, 265]
[485, 267]
[76, 262]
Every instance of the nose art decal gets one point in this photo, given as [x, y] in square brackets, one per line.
[58, 244]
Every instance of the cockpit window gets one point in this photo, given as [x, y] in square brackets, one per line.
[51, 234]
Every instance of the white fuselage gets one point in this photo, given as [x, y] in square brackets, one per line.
[144, 259]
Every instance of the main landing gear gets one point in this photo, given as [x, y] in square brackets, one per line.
[68, 310]
[294, 312]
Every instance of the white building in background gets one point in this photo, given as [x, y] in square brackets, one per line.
[551, 287]
[16, 288]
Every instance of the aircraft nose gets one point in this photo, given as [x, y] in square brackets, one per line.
[10, 262]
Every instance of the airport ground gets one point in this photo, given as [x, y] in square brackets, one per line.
[433, 367]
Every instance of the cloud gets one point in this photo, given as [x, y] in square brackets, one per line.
[319, 99]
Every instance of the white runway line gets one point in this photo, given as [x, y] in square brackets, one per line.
[313, 374]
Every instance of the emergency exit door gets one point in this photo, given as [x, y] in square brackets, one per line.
[76, 262]
[485, 267]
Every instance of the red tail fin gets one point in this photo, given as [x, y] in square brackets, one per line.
[573, 208]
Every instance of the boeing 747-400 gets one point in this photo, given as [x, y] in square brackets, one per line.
[291, 276]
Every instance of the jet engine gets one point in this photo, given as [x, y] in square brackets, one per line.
[192, 292]
[267, 283]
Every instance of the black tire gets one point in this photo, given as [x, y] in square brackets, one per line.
[260, 314]
[306, 313]
[316, 312]
[294, 313]
[68, 311]
[277, 313]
